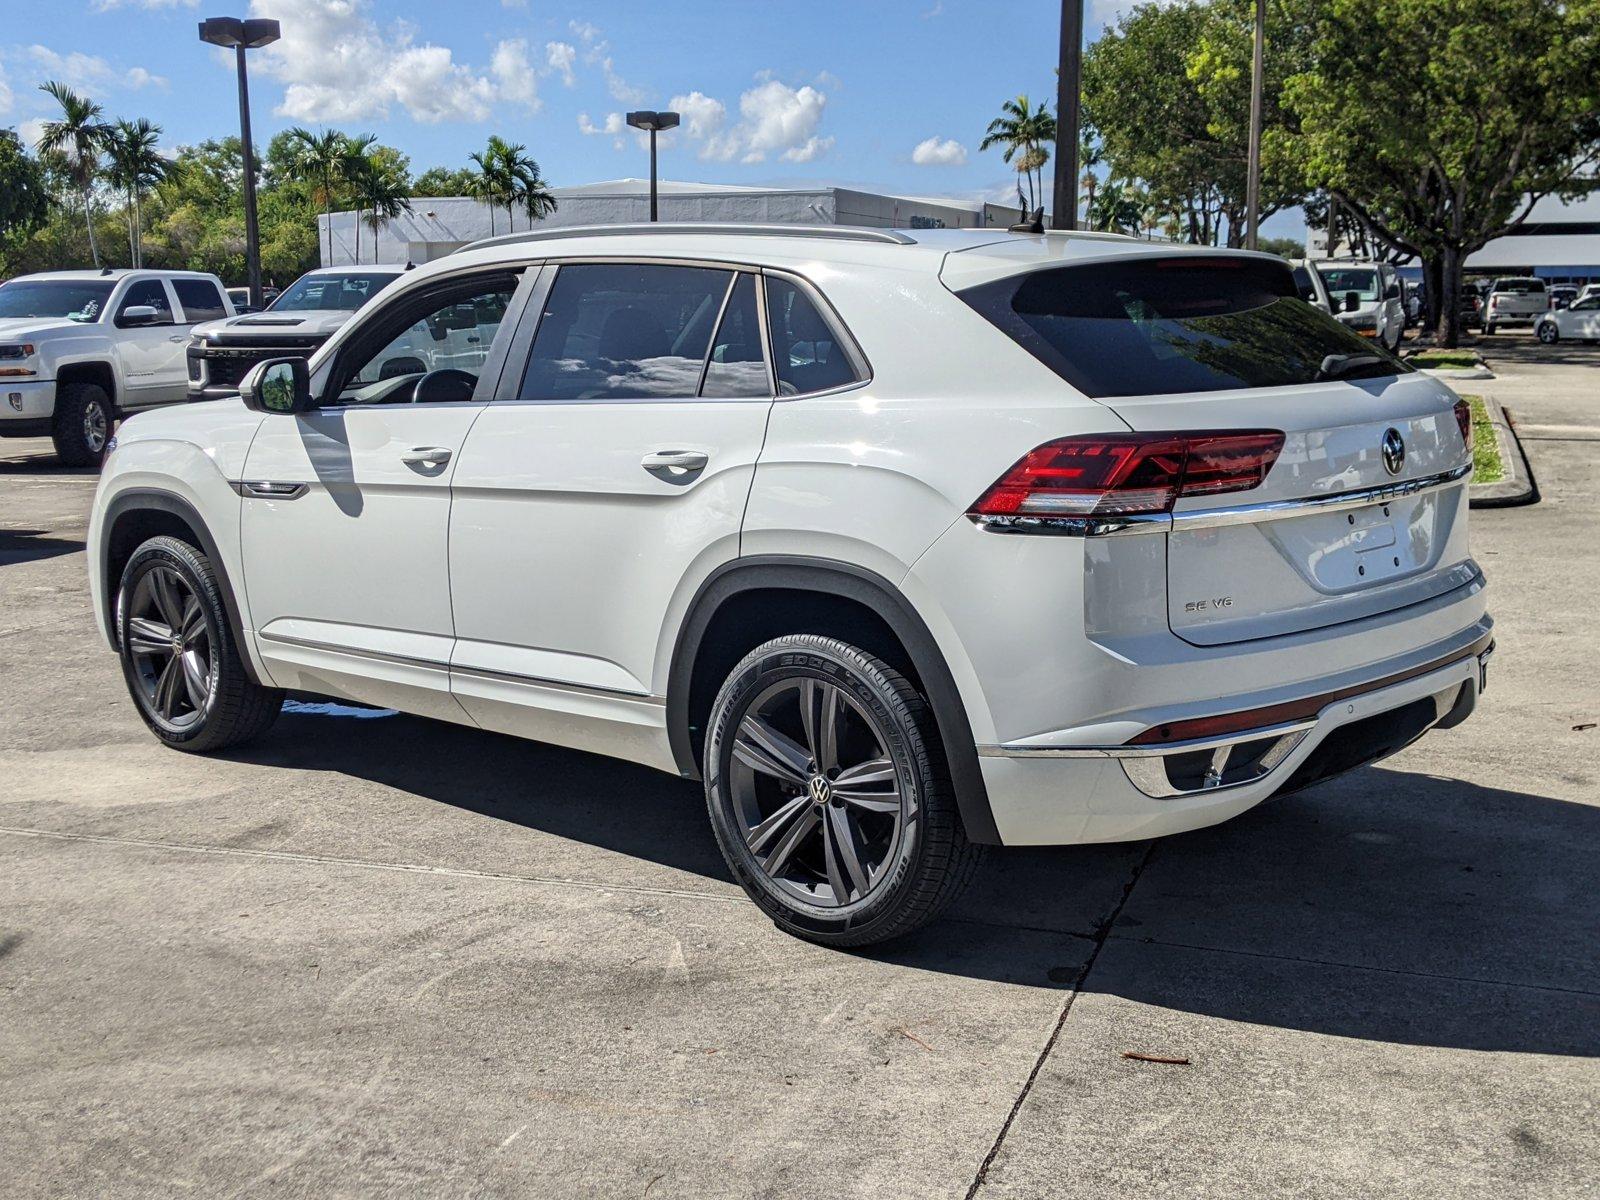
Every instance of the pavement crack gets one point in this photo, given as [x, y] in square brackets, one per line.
[1102, 934]
[326, 860]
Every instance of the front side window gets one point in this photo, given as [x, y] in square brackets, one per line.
[1156, 326]
[429, 349]
[67, 298]
[346, 292]
[626, 331]
[148, 292]
[806, 352]
[200, 300]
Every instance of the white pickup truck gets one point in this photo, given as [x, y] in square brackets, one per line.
[78, 349]
[1515, 300]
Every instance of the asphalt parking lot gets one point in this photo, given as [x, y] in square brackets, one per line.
[379, 955]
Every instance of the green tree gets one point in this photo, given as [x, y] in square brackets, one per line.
[1022, 132]
[507, 178]
[1497, 108]
[382, 189]
[24, 192]
[77, 137]
[326, 162]
[442, 181]
[135, 166]
[1284, 247]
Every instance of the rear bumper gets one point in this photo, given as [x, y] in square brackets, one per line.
[1044, 794]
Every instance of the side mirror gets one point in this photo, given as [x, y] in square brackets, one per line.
[139, 314]
[279, 385]
[1351, 302]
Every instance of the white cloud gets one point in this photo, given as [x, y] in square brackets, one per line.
[774, 118]
[30, 131]
[621, 90]
[5, 98]
[337, 64]
[613, 127]
[933, 12]
[939, 152]
[85, 71]
[559, 57]
[584, 32]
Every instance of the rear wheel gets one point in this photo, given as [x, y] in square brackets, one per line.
[82, 423]
[829, 796]
[178, 655]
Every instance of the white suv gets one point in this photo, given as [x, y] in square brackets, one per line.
[902, 543]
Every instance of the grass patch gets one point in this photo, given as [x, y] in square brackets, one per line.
[1444, 358]
[1486, 464]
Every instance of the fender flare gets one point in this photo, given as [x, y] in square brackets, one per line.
[137, 499]
[798, 573]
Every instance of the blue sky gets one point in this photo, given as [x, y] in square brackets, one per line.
[886, 94]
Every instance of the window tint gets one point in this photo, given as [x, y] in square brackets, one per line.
[199, 299]
[738, 369]
[450, 334]
[1523, 287]
[1303, 283]
[1593, 302]
[805, 353]
[148, 291]
[1163, 325]
[343, 291]
[624, 332]
[53, 298]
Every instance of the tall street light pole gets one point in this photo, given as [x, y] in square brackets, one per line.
[240, 35]
[1252, 197]
[654, 122]
[1064, 202]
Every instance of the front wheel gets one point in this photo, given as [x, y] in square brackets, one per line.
[1549, 334]
[178, 654]
[829, 795]
[82, 423]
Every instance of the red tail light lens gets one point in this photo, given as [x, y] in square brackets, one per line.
[1464, 419]
[1113, 474]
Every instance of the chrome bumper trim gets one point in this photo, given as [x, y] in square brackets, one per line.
[1022, 750]
[1216, 518]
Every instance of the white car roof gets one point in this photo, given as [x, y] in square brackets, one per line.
[116, 274]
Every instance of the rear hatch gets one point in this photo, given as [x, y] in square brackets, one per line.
[1205, 342]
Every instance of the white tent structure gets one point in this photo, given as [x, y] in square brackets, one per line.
[437, 225]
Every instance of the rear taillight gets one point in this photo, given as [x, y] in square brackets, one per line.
[1464, 419]
[1114, 474]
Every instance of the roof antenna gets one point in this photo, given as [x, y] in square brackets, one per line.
[105, 270]
[1031, 222]
[410, 266]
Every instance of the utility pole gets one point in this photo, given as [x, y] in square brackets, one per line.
[1064, 203]
[1252, 201]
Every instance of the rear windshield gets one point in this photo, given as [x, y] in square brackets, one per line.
[1155, 326]
[1524, 286]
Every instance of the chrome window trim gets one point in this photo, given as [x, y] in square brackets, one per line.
[1218, 518]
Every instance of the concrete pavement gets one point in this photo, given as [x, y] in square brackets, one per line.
[384, 956]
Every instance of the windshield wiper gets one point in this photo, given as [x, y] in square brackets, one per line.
[1342, 366]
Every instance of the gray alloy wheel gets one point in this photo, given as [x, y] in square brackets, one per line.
[829, 794]
[96, 426]
[169, 647]
[816, 796]
[1548, 333]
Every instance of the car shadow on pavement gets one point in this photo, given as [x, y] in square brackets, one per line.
[1384, 905]
[30, 545]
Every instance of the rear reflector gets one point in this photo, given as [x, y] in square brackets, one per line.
[1464, 419]
[1110, 474]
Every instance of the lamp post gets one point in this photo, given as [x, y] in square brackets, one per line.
[243, 35]
[1064, 201]
[653, 121]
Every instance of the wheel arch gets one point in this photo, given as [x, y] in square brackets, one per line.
[138, 514]
[90, 371]
[750, 584]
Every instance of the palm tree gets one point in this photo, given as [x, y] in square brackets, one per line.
[1023, 131]
[383, 191]
[352, 165]
[325, 161]
[136, 167]
[492, 181]
[77, 138]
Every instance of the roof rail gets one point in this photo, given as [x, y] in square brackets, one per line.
[847, 233]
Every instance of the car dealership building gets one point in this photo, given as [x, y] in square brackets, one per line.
[437, 225]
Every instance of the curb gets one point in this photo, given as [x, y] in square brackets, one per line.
[1458, 372]
[1518, 487]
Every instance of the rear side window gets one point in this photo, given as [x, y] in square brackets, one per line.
[1156, 326]
[806, 352]
[737, 369]
[625, 331]
[200, 299]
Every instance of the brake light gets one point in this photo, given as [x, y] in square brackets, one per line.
[1113, 474]
[1464, 419]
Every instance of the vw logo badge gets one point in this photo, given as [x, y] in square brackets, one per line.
[1394, 451]
[819, 789]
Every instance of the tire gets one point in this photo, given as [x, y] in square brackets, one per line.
[1488, 329]
[200, 698]
[897, 822]
[82, 424]
[1548, 333]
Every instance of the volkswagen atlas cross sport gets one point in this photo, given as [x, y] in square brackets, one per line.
[903, 544]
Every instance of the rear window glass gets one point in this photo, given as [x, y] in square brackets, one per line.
[1523, 286]
[1156, 326]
